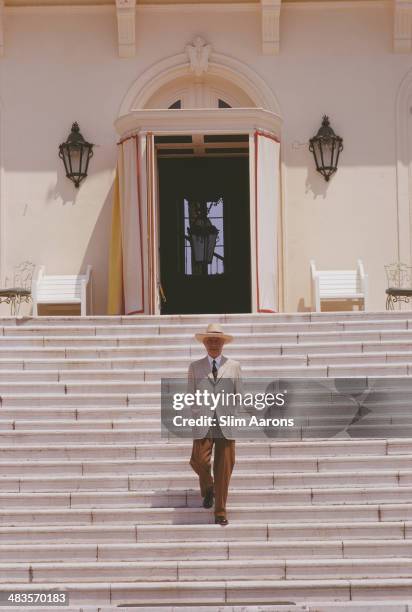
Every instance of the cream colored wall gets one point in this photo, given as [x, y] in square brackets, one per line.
[61, 66]
[350, 73]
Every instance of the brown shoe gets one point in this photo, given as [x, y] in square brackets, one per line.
[208, 499]
[221, 520]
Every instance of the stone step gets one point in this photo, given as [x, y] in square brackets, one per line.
[205, 550]
[235, 531]
[83, 511]
[316, 414]
[371, 605]
[242, 480]
[234, 327]
[315, 423]
[116, 492]
[360, 346]
[318, 606]
[167, 465]
[178, 319]
[364, 358]
[146, 399]
[228, 591]
[120, 361]
[100, 379]
[316, 404]
[143, 339]
[104, 364]
[251, 324]
[39, 383]
[245, 480]
[128, 435]
[236, 350]
[79, 399]
[139, 417]
[182, 571]
[246, 323]
[162, 448]
[87, 437]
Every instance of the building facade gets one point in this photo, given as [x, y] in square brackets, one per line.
[205, 104]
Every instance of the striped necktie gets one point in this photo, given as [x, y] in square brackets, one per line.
[214, 370]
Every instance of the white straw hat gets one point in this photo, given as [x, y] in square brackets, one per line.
[214, 331]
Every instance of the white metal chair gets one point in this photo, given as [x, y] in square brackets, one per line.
[62, 289]
[18, 289]
[338, 285]
[399, 276]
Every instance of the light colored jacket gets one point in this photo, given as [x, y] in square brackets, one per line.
[229, 380]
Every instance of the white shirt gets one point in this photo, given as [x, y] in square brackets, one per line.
[217, 360]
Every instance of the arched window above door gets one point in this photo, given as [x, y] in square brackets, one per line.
[222, 104]
[211, 92]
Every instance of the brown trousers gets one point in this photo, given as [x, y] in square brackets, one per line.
[223, 463]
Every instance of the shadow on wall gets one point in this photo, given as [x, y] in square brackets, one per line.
[97, 251]
[63, 189]
[315, 183]
[96, 255]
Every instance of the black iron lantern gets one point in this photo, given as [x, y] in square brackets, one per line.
[326, 147]
[203, 237]
[76, 153]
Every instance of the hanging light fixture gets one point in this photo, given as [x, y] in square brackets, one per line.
[326, 147]
[203, 240]
[76, 153]
[202, 235]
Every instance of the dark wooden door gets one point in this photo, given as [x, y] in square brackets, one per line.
[220, 186]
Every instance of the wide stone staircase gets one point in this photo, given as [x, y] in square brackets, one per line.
[94, 502]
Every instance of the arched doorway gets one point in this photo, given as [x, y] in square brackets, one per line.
[201, 141]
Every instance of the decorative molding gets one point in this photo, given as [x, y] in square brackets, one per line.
[210, 7]
[190, 7]
[270, 10]
[402, 26]
[198, 55]
[64, 9]
[1, 28]
[335, 4]
[227, 68]
[198, 121]
[126, 27]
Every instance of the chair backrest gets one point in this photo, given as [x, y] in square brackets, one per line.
[339, 283]
[22, 276]
[399, 275]
[62, 287]
[66, 287]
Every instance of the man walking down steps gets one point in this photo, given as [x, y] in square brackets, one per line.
[213, 372]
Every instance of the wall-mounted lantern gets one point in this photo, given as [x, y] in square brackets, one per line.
[326, 147]
[76, 153]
